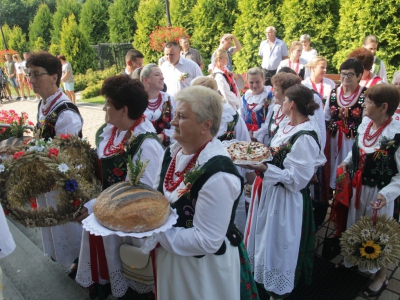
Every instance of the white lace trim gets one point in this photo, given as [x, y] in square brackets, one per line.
[259, 99]
[212, 149]
[227, 116]
[150, 243]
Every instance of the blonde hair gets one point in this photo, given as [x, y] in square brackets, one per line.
[205, 81]
[219, 53]
[294, 44]
[315, 60]
[17, 57]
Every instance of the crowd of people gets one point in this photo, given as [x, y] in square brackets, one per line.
[225, 242]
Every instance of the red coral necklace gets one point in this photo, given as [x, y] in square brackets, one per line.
[279, 118]
[155, 105]
[372, 138]
[293, 127]
[46, 111]
[169, 183]
[345, 101]
[110, 149]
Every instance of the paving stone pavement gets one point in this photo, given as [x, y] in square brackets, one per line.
[92, 114]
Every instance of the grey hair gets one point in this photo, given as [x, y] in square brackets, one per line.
[256, 71]
[396, 74]
[305, 37]
[205, 104]
[271, 27]
[146, 71]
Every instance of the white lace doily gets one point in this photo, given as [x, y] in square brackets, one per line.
[238, 162]
[362, 269]
[90, 224]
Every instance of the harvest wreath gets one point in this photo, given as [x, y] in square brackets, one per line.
[65, 164]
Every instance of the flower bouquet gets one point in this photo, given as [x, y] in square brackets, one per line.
[162, 35]
[371, 243]
[19, 124]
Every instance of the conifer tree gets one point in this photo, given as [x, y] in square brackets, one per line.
[63, 9]
[17, 40]
[122, 24]
[254, 17]
[211, 20]
[6, 31]
[41, 28]
[75, 46]
[151, 13]
[93, 21]
[181, 14]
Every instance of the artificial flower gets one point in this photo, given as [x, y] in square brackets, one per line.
[118, 172]
[2, 168]
[77, 203]
[384, 238]
[71, 185]
[53, 152]
[370, 250]
[65, 136]
[63, 168]
[18, 154]
[365, 233]
[50, 221]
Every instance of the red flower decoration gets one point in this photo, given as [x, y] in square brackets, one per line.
[333, 110]
[356, 113]
[53, 152]
[162, 35]
[6, 212]
[65, 136]
[118, 172]
[33, 203]
[18, 154]
[77, 203]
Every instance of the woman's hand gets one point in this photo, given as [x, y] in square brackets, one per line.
[83, 214]
[344, 166]
[380, 202]
[161, 137]
[253, 139]
[257, 167]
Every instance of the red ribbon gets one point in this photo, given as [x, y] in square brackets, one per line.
[98, 259]
[357, 183]
[252, 127]
[341, 129]
[257, 188]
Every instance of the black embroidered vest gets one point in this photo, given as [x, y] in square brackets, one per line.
[47, 127]
[164, 121]
[113, 169]
[186, 205]
[380, 165]
[348, 119]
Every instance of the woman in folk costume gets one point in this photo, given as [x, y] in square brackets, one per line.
[225, 81]
[280, 233]
[126, 132]
[7, 244]
[159, 111]
[201, 257]
[375, 163]
[295, 62]
[232, 127]
[256, 101]
[366, 58]
[56, 115]
[343, 113]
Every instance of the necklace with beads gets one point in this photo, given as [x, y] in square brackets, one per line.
[279, 118]
[293, 127]
[345, 101]
[296, 69]
[169, 183]
[110, 149]
[46, 111]
[372, 138]
[155, 105]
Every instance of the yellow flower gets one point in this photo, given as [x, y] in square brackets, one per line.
[370, 250]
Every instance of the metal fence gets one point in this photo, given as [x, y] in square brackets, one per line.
[109, 54]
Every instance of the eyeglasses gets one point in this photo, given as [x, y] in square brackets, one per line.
[348, 75]
[36, 74]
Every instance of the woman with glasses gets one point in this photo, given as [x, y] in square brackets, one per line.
[56, 115]
[343, 113]
[366, 58]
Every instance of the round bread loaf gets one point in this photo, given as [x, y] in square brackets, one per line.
[127, 208]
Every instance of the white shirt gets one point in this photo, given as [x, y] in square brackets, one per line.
[173, 75]
[327, 86]
[382, 71]
[7, 244]
[297, 67]
[272, 57]
[225, 90]
[308, 55]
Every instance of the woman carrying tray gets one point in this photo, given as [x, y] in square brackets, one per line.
[126, 132]
[280, 233]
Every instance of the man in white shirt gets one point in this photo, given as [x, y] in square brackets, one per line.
[133, 60]
[178, 71]
[273, 51]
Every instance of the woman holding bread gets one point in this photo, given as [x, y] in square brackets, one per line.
[126, 132]
[280, 233]
[199, 258]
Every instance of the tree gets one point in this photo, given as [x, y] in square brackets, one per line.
[17, 40]
[250, 32]
[122, 25]
[356, 23]
[6, 31]
[93, 21]
[151, 13]
[41, 27]
[181, 14]
[318, 18]
[38, 45]
[212, 19]
[75, 46]
[63, 10]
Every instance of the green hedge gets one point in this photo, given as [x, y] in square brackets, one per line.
[90, 83]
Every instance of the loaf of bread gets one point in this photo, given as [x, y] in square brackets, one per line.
[127, 208]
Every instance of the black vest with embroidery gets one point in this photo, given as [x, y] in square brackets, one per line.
[348, 118]
[230, 133]
[279, 153]
[380, 166]
[164, 121]
[186, 205]
[113, 169]
[47, 126]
